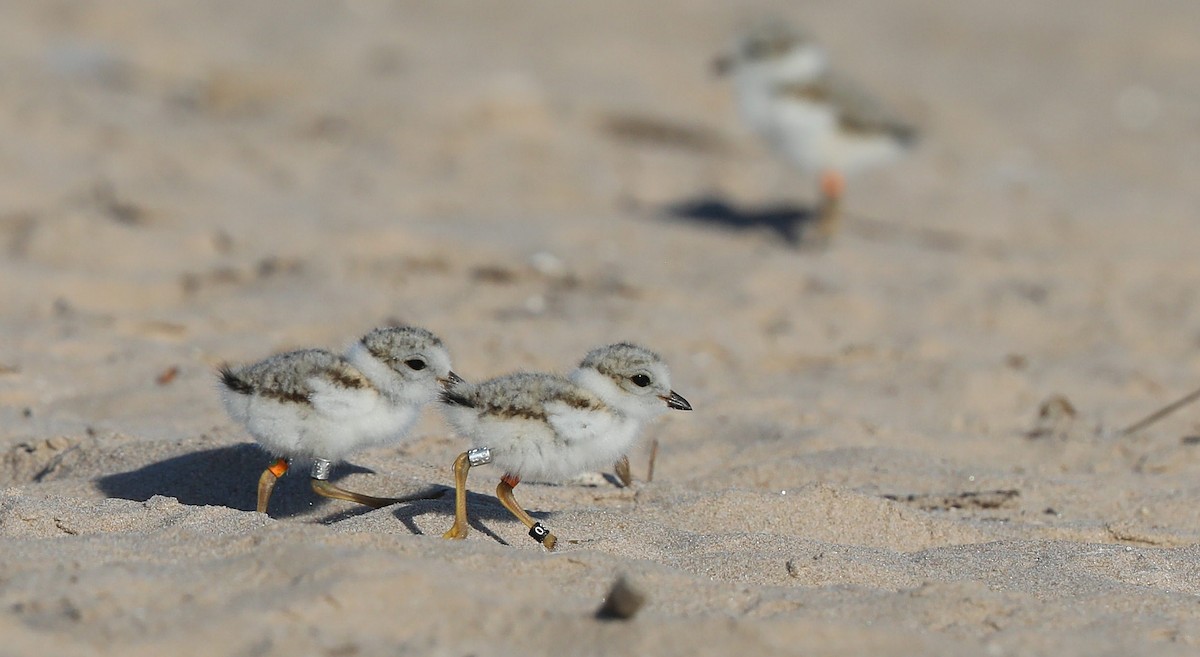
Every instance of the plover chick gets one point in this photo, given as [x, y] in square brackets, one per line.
[547, 427]
[809, 114]
[317, 405]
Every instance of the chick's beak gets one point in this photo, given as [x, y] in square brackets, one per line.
[450, 379]
[676, 401]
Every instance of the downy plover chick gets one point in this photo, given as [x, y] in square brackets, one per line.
[808, 114]
[547, 427]
[317, 405]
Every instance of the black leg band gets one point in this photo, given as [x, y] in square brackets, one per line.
[538, 532]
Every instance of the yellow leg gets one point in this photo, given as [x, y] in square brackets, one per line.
[462, 465]
[504, 491]
[266, 483]
[621, 467]
[653, 458]
[327, 489]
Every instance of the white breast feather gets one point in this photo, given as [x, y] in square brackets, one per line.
[338, 403]
[804, 130]
[570, 442]
[339, 421]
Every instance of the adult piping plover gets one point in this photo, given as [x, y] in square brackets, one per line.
[810, 115]
[547, 427]
[313, 404]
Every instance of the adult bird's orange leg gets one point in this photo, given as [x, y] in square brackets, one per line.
[266, 482]
[504, 491]
[829, 213]
[462, 465]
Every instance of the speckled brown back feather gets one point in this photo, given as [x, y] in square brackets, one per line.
[856, 109]
[286, 376]
[523, 395]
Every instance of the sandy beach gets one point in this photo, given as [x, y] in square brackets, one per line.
[907, 443]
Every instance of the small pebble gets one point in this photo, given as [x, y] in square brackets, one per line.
[547, 264]
[622, 602]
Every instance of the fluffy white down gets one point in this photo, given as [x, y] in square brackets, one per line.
[807, 134]
[757, 83]
[569, 443]
[850, 154]
[804, 133]
[801, 132]
[646, 406]
[338, 422]
[391, 383]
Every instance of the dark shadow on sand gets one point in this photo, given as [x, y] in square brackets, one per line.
[787, 222]
[225, 476]
[479, 507]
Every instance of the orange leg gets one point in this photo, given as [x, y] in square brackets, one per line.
[504, 492]
[829, 212]
[266, 483]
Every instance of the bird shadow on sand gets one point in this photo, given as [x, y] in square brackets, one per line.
[787, 222]
[479, 507]
[224, 476]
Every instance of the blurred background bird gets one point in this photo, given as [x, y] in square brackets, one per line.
[809, 114]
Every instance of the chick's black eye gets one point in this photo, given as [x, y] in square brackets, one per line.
[415, 363]
[640, 380]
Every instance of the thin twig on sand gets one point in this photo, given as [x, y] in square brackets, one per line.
[1160, 413]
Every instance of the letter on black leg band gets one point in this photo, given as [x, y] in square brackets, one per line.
[539, 532]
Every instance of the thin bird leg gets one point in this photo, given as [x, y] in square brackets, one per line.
[459, 530]
[266, 483]
[327, 489]
[463, 465]
[539, 533]
[323, 487]
[653, 458]
[621, 467]
[829, 213]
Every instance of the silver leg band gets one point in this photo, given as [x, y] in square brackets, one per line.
[321, 469]
[479, 456]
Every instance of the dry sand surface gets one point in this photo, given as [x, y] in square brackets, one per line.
[865, 473]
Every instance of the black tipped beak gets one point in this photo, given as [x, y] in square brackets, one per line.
[722, 65]
[676, 401]
[451, 379]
